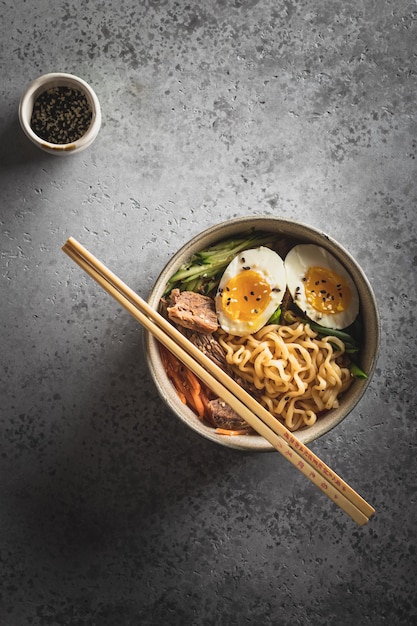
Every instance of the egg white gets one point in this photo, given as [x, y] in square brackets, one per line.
[269, 265]
[297, 262]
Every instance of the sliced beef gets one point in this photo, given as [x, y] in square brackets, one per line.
[223, 416]
[210, 347]
[193, 311]
[286, 304]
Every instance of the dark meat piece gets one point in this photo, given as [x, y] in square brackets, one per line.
[193, 311]
[286, 304]
[223, 416]
[210, 347]
[284, 245]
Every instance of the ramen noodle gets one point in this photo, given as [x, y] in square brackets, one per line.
[296, 374]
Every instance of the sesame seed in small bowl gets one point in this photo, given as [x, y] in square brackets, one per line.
[60, 113]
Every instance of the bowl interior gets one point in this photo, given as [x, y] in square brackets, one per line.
[305, 234]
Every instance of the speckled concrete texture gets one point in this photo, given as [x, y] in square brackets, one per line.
[112, 513]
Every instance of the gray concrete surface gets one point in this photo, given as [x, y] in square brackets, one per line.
[112, 513]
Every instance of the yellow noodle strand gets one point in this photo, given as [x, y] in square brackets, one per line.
[296, 371]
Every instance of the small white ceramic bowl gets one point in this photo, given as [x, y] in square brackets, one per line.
[48, 81]
[303, 233]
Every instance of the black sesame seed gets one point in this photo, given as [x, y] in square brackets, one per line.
[245, 298]
[61, 115]
[246, 267]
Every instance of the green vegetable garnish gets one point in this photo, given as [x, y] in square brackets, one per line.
[275, 317]
[322, 331]
[356, 371]
[202, 273]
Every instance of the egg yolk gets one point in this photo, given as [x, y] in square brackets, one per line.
[326, 291]
[245, 296]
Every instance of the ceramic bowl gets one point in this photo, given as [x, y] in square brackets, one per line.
[42, 84]
[304, 234]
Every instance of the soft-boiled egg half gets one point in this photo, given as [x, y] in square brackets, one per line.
[321, 287]
[250, 290]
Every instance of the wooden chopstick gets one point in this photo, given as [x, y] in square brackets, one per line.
[243, 403]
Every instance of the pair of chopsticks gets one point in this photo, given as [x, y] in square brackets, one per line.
[225, 387]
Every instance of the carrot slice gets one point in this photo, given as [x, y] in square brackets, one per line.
[195, 390]
[185, 382]
[231, 433]
[191, 390]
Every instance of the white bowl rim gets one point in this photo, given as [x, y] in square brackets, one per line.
[56, 79]
[242, 224]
